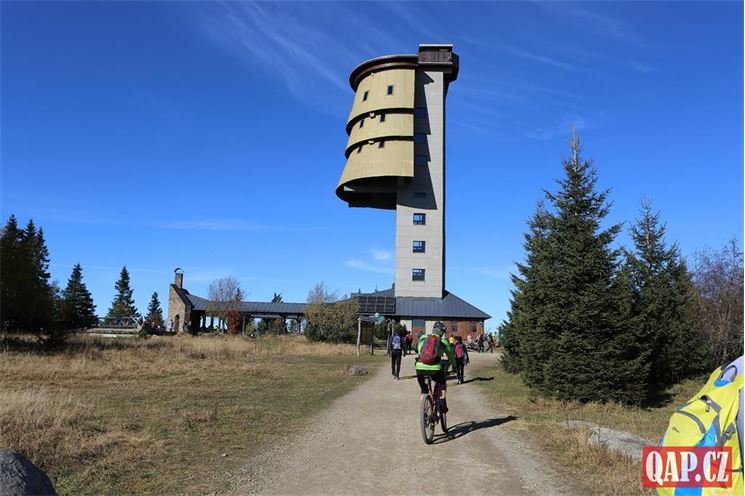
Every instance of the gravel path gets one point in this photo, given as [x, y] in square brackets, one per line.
[369, 442]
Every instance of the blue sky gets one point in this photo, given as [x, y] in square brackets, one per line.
[210, 136]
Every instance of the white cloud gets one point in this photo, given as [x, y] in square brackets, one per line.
[564, 128]
[381, 255]
[358, 264]
[301, 44]
[536, 57]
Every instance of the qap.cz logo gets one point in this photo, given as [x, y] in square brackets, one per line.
[676, 466]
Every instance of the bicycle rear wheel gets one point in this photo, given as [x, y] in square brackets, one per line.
[427, 419]
[444, 421]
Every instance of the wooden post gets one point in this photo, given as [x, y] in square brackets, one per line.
[359, 333]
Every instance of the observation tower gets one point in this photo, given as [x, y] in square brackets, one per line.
[396, 157]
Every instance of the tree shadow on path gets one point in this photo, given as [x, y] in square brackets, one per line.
[460, 430]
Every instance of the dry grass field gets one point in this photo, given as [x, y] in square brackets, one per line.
[594, 469]
[163, 415]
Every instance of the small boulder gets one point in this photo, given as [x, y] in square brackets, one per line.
[355, 370]
[625, 443]
[20, 477]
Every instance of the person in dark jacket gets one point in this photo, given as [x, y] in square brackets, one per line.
[396, 349]
[461, 358]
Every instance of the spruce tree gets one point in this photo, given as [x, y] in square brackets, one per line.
[77, 308]
[37, 303]
[27, 293]
[528, 303]
[154, 311]
[575, 345]
[123, 305]
[662, 300]
[11, 277]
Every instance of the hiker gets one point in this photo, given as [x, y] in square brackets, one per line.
[461, 358]
[396, 350]
[489, 346]
[407, 343]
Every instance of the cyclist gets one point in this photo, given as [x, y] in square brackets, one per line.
[435, 370]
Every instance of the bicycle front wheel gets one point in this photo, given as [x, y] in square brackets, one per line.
[427, 419]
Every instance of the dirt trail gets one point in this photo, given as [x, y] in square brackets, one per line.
[369, 442]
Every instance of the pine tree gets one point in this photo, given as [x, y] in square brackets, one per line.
[574, 344]
[528, 302]
[123, 305]
[77, 308]
[662, 299]
[27, 293]
[41, 296]
[154, 311]
[11, 277]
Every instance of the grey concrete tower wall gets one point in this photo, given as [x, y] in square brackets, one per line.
[425, 194]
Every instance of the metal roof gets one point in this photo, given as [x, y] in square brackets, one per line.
[448, 307]
[254, 307]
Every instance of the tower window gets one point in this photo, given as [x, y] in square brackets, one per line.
[382, 117]
[390, 89]
[419, 246]
[364, 96]
[417, 274]
[381, 144]
[420, 112]
[420, 219]
[362, 123]
[420, 138]
[359, 149]
[421, 160]
[420, 194]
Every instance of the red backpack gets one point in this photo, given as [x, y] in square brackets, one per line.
[430, 353]
[459, 350]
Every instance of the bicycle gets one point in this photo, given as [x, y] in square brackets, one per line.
[430, 413]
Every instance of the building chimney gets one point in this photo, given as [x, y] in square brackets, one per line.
[179, 279]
